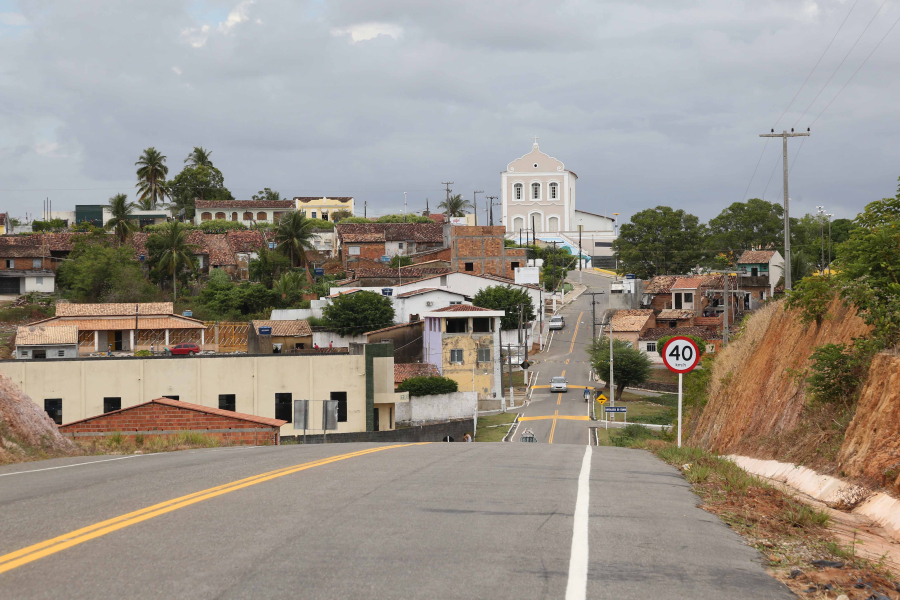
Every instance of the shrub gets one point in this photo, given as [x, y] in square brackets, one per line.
[359, 312]
[428, 386]
[506, 298]
[812, 296]
[701, 343]
[220, 226]
[838, 370]
[400, 261]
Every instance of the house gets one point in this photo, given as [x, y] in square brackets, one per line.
[464, 343]
[406, 338]
[164, 416]
[248, 212]
[387, 277]
[323, 208]
[278, 337]
[112, 326]
[25, 265]
[686, 294]
[5, 225]
[405, 371]
[760, 271]
[629, 324]
[99, 215]
[37, 342]
[657, 292]
[230, 252]
[481, 251]
[368, 245]
[676, 317]
[262, 385]
[649, 338]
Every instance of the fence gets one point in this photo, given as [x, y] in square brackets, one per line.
[227, 336]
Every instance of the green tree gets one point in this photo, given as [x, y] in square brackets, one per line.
[199, 157]
[812, 296]
[840, 232]
[294, 237]
[408, 218]
[455, 206]
[631, 367]
[97, 272]
[267, 265]
[428, 386]
[121, 222]
[398, 260]
[197, 183]
[751, 225]
[506, 298]
[660, 241]
[177, 254]
[837, 371]
[556, 265]
[152, 172]
[289, 287]
[359, 312]
[267, 195]
[339, 215]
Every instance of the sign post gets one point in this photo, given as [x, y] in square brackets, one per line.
[301, 416]
[680, 355]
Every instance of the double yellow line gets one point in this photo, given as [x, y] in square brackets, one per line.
[553, 428]
[79, 536]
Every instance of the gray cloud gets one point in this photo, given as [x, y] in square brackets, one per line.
[649, 102]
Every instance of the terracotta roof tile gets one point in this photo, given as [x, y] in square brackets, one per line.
[409, 271]
[240, 205]
[297, 328]
[687, 283]
[124, 323]
[397, 326]
[659, 332]
[631, 320]
[661, 284]
[308, 199]
[463, 308]
[756, 256]
[404, 371]
[195, 408]
[675, 313]
[399, 232]
[246, 241]
[39, 335]
[69, 309]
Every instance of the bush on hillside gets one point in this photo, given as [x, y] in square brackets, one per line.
[428, 386]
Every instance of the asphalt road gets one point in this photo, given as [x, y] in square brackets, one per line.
[562, 418]
[417, 521]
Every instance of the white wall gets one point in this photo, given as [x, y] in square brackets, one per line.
[323, 338]
[39, 283]
[440, 407]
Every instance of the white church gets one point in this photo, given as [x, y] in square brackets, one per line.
[538, 196]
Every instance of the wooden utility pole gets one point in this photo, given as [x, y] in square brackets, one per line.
[490, 200]
[784, 135]
[448, 184]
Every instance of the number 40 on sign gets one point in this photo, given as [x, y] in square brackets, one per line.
[680, 355]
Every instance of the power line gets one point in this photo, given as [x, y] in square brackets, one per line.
[744, 198]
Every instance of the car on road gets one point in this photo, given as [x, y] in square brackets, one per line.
[557, 322]
[559, 384]
[189, 349]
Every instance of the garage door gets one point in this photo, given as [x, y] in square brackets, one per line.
[9, 285]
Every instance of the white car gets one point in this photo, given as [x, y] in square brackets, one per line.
[557, 322]
[559, 384]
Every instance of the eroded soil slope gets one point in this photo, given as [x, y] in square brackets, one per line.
[25, 430]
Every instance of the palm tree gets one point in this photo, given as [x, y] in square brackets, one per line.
[121, 222]
[177, 253]
[151, 173]
[295, 236]
[199, 157]
[455, 206]
[290, 284]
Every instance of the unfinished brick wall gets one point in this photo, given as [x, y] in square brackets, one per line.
[155, 418]
[484, 248]
[370, 254]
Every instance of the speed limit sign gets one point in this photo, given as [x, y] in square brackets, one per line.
[681, 355]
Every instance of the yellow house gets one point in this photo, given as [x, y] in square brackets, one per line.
[4, 223]
[463, 341]
[323, 208]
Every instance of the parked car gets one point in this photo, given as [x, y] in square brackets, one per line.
[559, 384]
[557, 322]
[190, 349]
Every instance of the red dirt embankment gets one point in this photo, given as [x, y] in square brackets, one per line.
[756, 393]
[26, 432]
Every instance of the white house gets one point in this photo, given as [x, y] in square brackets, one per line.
[247, 212]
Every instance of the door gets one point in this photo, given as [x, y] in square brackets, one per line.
[375, 411]
[9, 285]
[117, 342]
[678, 301]
[754, 271]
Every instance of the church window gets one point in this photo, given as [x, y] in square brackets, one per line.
[554, 191]
[535, 191]
[518, 191]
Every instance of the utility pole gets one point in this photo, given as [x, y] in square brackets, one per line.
[612, 387]
[405, 207]
[509, 360]
[553, 269]
[365, 208]
[725, 322]
[829, 243]
[448, 184]
[491, 206]
[784, 135]
[580, 227]
[594, 314]
[820, 212]
[475, 205]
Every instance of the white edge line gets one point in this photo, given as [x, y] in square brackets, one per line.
[576, 589]
[93, 462]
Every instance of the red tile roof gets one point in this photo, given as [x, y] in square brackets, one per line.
[756, 256]
[39, 335]
[293, 328]
[399, 232]
[397, 326]
[661, 284]
[676, 314]
[687, 283]
[631, 319]
[404, 371]
[69, 309]
[307, 199]
[242, 204]
[462, 308]
[409, 271]
[123, 323]
[246, 241]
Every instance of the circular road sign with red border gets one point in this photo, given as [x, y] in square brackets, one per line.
[681, 355]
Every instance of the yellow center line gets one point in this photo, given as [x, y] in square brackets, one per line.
[79, 536]
[553, 428]
[574, 335]
[556, 417]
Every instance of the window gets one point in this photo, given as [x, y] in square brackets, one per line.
[53, 406]
[220, 215]
[602, 244]
[341, 398]
[688, 297]
[535, 191]
[470, 266]
[248, 216]
[452, 302]
[324, 215]
[60, 353]
[39, 281]
[457, 325]
[554, 191]
[456, 356]
[206, 216]
[36, 263]
[400, 245]
[111, 404]
[314, 214]
[484, 355]
[678, 304]
[710, 348]
[173, 397]
[353, 250]
[514, 265]
[284, 406]
[481, 325]
[227, 402]
[234, 216]
[651, 346]
[517, 191]
[262, 216]
[10, 263]
[24, 352]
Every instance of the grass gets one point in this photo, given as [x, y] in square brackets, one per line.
[643, 409]
[493, 428]
[116, 443]
[662, 375]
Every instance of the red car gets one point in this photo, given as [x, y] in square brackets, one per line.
[190, 349]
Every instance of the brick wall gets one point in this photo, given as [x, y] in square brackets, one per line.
[151, 417]
[483, 247]
[370, 254]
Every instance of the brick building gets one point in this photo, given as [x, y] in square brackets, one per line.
[170, 417]
[481, 251]
[364, 244]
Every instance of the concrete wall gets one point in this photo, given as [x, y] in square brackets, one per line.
[254, 380]
[324, 338]
[437, 432]
[45, 282]
[68, 350]
[440, 407]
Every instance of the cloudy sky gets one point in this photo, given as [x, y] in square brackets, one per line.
[649, 101]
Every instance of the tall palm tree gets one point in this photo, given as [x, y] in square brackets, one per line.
[177, 253]
[151, 173]
[121, 222]
[199, 157]
[455, 206]
[294, 235]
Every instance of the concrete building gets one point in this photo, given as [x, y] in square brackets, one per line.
[278, 337]
[370, 245]
[26, 265]
[264, 385]
[99, 215]
[406, 338]
[463, 342]
[37, 342]
[760, 270]
[248, 212]
[628, 325]
[323, 208]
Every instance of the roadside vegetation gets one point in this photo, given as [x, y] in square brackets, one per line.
[117, 443]
[493, 428]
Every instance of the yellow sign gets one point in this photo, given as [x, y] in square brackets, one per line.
[602, 399]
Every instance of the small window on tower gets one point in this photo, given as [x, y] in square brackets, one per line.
[470, 266]
[535, 191]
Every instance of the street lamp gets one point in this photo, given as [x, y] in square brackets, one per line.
[616, 235]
